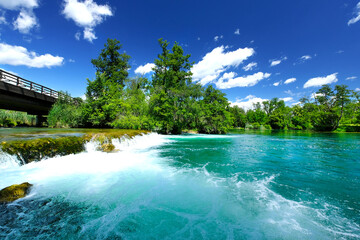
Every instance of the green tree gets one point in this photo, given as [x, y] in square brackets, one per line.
[104, 94]
[216, 117]
[330, 107]
[239, 116]
[113, 64]
[171, 89]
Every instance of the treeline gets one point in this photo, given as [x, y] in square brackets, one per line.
[171, 103]
[325, 111]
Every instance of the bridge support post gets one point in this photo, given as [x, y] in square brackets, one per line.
[40, 120]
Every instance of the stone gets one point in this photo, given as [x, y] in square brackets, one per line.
[14, 192]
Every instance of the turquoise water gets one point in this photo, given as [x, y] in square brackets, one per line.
[238, 186]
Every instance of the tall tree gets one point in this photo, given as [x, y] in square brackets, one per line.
[104, 94]
[113, 64]
[171, 88]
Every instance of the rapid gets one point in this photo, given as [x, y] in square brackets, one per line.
[235, 186]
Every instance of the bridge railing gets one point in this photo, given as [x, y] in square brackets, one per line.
[26, 84]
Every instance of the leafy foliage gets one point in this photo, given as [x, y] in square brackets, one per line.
[66, 112]
[171, 102]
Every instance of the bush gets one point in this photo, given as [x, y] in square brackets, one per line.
[66, 113]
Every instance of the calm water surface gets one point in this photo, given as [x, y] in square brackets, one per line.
[244, 185]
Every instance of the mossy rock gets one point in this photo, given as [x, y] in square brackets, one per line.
[14, 192]
[107, 147]
[36, 149]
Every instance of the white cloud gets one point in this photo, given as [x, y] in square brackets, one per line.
[296, 103]
[356, 18]
[147, 68]
[17, 55]
[248, 102]
[86, 14]
[315, 95]
[237, 32]
[340, 51]
[217, 61]
[275, 62]
[277, 83]
[306, 57]
[71, 60]
[319, 81]
[250, 66]
[17, 4]
[89, 34]
[290, 80]
[289, 92]
[25, 21]
[287, 99]
[2, 17]
[357, 89]
[351, 78]
[216, 38]
[77, 36]
[246, 81]
[198, 38]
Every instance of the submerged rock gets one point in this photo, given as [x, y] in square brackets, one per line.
[14, 192]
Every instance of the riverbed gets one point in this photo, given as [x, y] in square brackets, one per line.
[243, 185]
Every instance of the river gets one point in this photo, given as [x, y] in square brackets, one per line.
[243, 185]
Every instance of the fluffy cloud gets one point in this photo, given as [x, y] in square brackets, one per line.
[274, 62]
[287, 99]
[248, 102]
[17, 55]
[147, 68]
[277, 83]
[89, 34]
[319, 81]
[250, 66]
[217, 61]
[290, 80]
[357, 89]
[26, 19]
[86, 14]
[25, 22]
[17, 4]
[228, 80]
[216, 38]
[237, 32]
[351, 78]
[356, 18]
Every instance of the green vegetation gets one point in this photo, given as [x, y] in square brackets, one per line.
[14, 192]
[14, 118]
[171, 103]
[329, 110]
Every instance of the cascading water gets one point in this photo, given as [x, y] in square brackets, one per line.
[189, 187]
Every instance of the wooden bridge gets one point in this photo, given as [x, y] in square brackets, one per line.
[23, 95]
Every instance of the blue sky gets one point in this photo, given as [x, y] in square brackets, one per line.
[251, 50]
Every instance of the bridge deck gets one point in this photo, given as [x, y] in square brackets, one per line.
[19, 94]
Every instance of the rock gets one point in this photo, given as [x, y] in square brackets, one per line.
[107, 147]
[14, 192]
